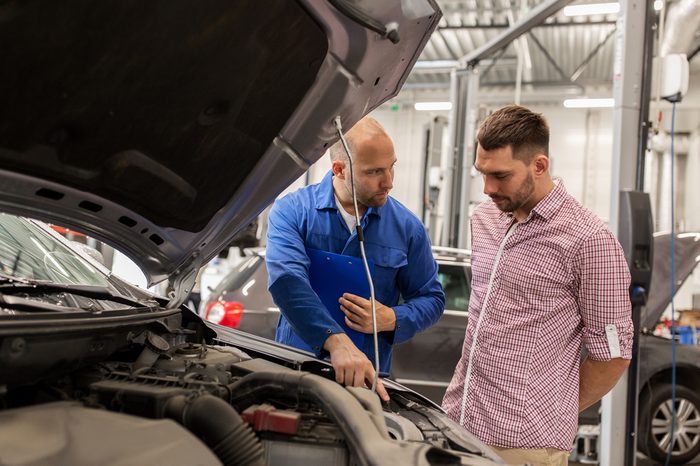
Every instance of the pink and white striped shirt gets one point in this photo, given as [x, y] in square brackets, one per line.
[540, 288]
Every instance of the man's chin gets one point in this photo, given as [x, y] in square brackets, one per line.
[504, 205]
[377, 201]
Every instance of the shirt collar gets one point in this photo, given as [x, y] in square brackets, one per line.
[326, 199]
[547, 207]
[551, 203]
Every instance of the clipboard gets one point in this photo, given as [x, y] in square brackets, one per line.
[331, 275]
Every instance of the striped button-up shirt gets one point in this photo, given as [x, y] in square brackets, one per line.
[540, 289]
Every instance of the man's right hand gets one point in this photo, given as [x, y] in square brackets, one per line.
[351, 365]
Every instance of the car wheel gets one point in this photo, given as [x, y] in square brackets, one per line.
[655, 424]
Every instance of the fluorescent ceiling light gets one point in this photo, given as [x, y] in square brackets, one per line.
[592, 9]
[431, 106]
[589, 103]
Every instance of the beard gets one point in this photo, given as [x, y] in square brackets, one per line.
[376, 200]
[517, 200]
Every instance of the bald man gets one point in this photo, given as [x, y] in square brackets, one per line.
[321, 217]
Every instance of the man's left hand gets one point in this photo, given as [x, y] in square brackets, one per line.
[358, 314]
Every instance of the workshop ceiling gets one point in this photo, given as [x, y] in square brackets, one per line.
[564, 51]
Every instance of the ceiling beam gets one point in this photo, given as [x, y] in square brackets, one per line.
[535, 17]
[466, 27]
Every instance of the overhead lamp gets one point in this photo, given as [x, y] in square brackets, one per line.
[610, 8]
[589, 103]
[592, 9]
[432, 106]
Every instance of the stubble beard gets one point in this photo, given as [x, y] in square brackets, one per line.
[519, 199]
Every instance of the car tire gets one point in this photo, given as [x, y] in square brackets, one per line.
[655, 423]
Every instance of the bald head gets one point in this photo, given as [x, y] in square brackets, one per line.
[364, 130]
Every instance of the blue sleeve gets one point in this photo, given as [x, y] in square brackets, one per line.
[288, 277]
[424, 299]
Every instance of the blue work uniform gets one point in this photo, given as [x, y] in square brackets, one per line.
[394, 239]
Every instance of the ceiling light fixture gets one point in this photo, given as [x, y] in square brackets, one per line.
[592, 9]
[589, 103]
[432, 106]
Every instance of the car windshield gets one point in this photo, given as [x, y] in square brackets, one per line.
[453, 279]
[29, 252]
[241, 274]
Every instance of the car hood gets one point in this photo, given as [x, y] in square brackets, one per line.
[162, 129]
[687, 258]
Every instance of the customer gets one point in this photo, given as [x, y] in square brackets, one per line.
[547, 276]
[321, 217]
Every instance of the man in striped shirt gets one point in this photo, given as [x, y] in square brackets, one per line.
[548, 277]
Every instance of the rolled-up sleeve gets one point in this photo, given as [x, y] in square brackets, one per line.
[424, 299]
[603, 297]
[288, 278]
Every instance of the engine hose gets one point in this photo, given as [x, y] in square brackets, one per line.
[219, 426]
[363, 436]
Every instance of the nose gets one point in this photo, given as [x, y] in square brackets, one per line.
[388, 180]
[489, 186]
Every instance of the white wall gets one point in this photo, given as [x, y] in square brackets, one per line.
[406, 130]
[584, 163]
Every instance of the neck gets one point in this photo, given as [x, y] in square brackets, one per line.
[344, 195]
[538, 194]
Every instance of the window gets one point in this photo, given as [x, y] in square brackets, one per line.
[456, 285]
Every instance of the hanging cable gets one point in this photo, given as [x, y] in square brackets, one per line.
[361, 240]
[673, 287]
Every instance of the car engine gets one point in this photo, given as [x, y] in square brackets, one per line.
[162, 397]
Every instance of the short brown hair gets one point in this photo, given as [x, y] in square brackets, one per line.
[525, 131]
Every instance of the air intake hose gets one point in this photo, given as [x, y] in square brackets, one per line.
[219, 426]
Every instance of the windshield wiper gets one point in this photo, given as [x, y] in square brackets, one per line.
[13, 285]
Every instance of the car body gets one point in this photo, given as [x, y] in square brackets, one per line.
[150, 126]
[427, 361]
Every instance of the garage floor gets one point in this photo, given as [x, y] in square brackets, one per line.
[643, 461]
[647, 462]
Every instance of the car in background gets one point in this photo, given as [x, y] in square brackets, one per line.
[148, 126]
[426, 362]
[241, 301]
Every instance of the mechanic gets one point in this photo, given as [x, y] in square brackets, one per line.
[547, 276]
[321, 216]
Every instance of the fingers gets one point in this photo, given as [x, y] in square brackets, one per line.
[381, 391]
[359, 379]
[351, 365]
[353, 307]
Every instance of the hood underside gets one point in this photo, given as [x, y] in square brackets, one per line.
[687, 258]
[162, 128]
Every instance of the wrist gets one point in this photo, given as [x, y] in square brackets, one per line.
[335, 341]
[390, 325]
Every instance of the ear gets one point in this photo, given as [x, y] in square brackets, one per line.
[337, 168]
[540, 162]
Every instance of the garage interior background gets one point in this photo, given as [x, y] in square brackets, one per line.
[570, 56]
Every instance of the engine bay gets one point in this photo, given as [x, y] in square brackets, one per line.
[216, 399]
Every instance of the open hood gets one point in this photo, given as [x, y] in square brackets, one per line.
[164, 127]
[687, 258]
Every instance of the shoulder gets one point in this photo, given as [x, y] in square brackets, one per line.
[294, 203]
[581, 221]
[590, 232]
[302, 195]
[485, 212]
[403, 214]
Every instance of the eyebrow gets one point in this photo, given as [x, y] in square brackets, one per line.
[381, 168]
[495, 173]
